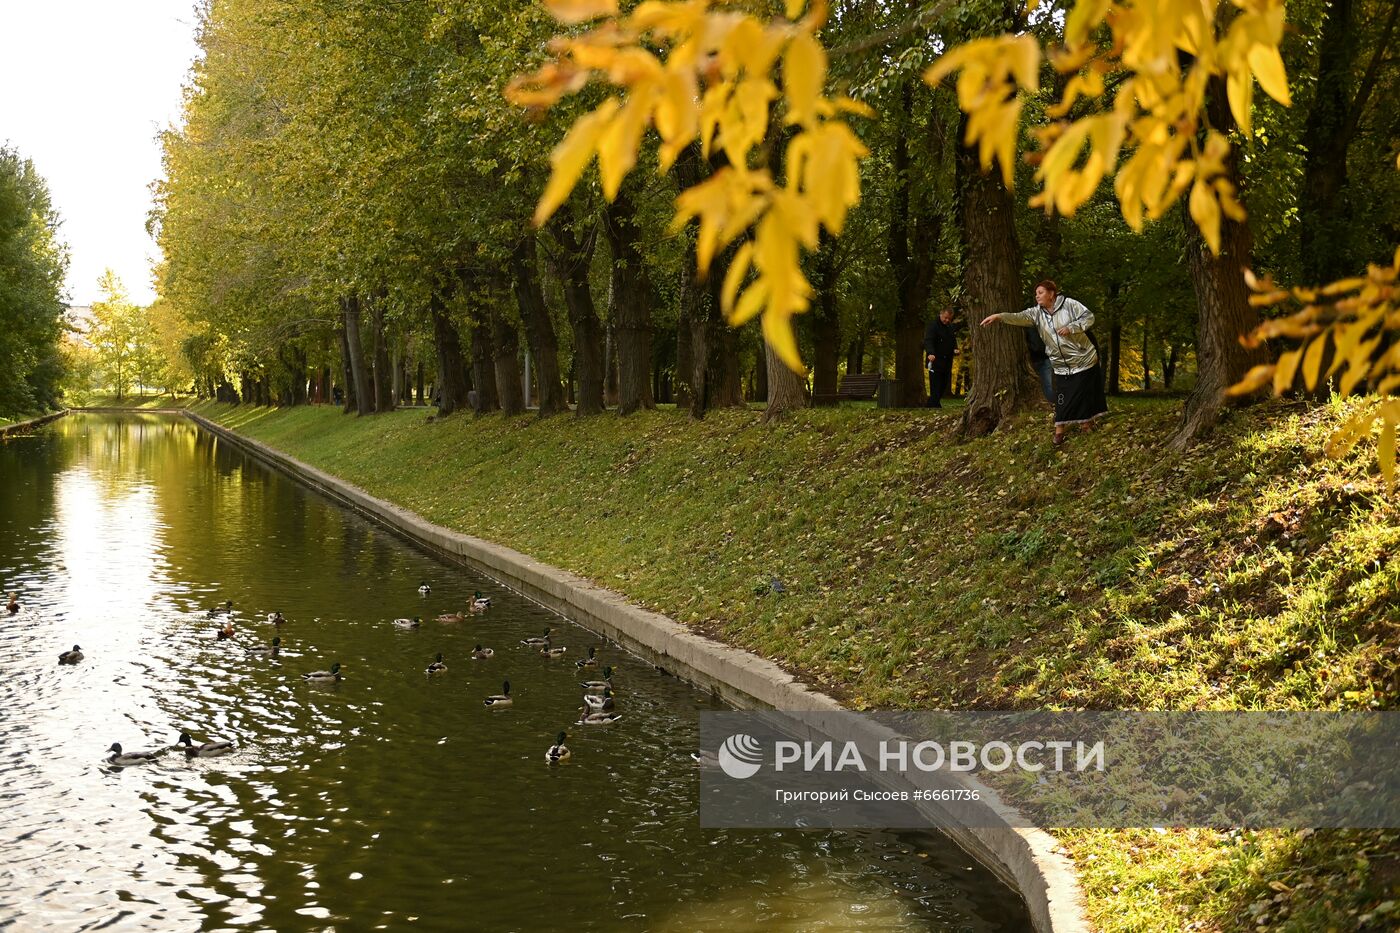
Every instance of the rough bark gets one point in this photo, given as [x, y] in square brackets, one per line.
[1003, 382]
[451, 381]
[631, 306]
[1115, 353]
[786, 390]
[483, 369]
[826, 326]
[539, 329]
[572, 265]
[913, 236]
[418, 396]
[383, 371]
[1222, 301]
[505, 361]
[359, 377]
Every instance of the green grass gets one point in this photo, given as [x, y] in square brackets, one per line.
[138, 401]
[923, 571]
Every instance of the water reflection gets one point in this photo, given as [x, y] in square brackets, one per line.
[386, 799]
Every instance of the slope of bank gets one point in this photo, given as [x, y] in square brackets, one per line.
[892, 566]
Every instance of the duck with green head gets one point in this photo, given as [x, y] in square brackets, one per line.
[598, 686]
[482, 654]
[71, 657]
[558, 752]
[207, 750]
[125, 759]
[438, 666]
[267, 651]
[322, 677]
[538, 641]
[500, 700]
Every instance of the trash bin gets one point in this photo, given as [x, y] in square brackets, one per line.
[887, 394]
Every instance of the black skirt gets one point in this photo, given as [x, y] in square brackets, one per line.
[1079, 397]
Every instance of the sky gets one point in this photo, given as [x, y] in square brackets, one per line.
[87, 86]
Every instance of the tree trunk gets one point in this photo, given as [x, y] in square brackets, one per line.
[1169, 366]
[506, 362]
[451, 382]
[1115, 353]
[786, 390]
[913, 236]
[383, 367]
[572, 270]
[418, 395]
[484, 369]
[631, 309]
[1222, 300]
[1003, 382]
[359, 378]
[685, 340]
[826, 326]
[539, 329]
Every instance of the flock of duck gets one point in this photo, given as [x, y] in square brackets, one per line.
[599, 705]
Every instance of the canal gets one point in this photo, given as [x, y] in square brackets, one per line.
[387, 801]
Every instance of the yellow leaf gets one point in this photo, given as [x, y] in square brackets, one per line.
[1253, 381]
[1206, 212]
[794, 8]
[804, 73]
[1267, 65]
[1239, 88]
[1385, 452]
[577, 11]
[1312, 361]
[617, 145]
[777, 331]
[1286, 369]
[1349, 434]
[572, 156]
[734, 277]
[750, 304]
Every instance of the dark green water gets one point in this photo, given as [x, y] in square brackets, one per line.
[391, 800]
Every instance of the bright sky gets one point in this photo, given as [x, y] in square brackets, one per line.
[87, 86]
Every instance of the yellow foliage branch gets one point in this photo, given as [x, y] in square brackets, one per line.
[711, 81]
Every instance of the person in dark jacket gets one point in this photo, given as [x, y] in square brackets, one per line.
[940, 343]
[1040, 362]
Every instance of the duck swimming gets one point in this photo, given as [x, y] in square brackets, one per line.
[598, 686]
[600, 703]
[424, 589]
[207, 750]
[330, 676]
[482, 654]
[590, 661]
[596, 718]
[558, 752]
[549, 651]
[539, 641]
[452, 617]
[71, 657]
[479, 603]
[225, 632]
[500, 700]
[267, 651]
[13, 605]
[437, 667]
[408, 623]
[223, 610]
[123, 759]
[276, 618]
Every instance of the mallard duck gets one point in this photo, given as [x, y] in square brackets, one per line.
[539, 641]
[502, 699]
[225, 632]
[223, 610]
[598, 686]
[331, 676]
[452, 617]
[479, 603]
[482, 654]
[267, 651]
[424, 589]
[587, 718]
[549, 651]
[123, 759]
[558, 752]
[600, 702]
[13, 605]
[437, 667]
[590, 661]
[409, 623]
[71, 657]
[207, 750]
[276, 619]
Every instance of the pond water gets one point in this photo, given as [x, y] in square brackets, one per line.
[387, 801]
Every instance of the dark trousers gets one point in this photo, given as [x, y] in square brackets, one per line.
[939, 381]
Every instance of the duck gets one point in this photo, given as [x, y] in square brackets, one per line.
[123, 759]
[71, 657]
[595, 718]
[598, 686]
[223, 610]
[267, 651]
[705, 758]
[558, 752]
[330, 676]
[424, 589]
[479, 603]
[590, 661]
[539, 641]
[502, 699]
[452, 617]
[437, 667]
[207, 750]
[225, 632]
[409, 623]
[276, 618]
[13, 605]
[549, 651]
[482, 654]
[602, 703]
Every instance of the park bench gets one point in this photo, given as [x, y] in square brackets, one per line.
[853, 385]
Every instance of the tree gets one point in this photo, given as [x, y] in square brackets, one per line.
[114, 322]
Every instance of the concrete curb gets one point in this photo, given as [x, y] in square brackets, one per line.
[21, 426]
[1027, 860]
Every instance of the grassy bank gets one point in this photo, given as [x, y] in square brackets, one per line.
[916, 570]
[136, 402]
